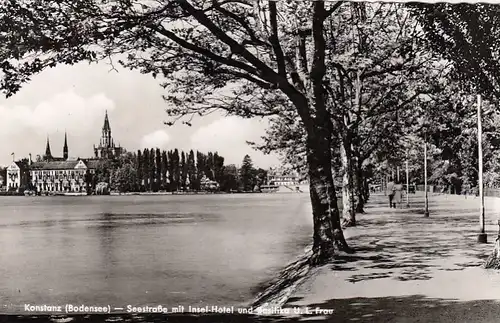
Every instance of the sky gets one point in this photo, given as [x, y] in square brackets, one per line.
[75, 98]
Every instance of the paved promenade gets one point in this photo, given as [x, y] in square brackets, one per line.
[409, 268]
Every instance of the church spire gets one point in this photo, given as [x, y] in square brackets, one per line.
[106, 132]
[48, 154]
[106, 126]
[65, 148]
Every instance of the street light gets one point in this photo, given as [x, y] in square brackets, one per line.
[426, 212]
[481, 238]
[407, 183]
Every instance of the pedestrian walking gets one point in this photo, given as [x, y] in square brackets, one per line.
[465, 189]
[390, 192]
[398, 194]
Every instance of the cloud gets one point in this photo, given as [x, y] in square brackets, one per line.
[228, 136]
[157, 139]
[64, 110]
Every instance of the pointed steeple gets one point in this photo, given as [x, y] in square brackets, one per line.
[48, 154]
[106, 126]
[65, 148]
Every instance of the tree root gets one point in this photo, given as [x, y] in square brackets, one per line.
[348, 222]
[493, 261]
[321, 258]
[340, 242]
[360, 209]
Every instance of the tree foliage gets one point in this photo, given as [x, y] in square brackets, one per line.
[467, 35]
[247, 173]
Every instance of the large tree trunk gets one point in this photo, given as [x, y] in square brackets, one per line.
[360, 202]
[327, 227]
[348, 214]
[366, 189]
[319, 129]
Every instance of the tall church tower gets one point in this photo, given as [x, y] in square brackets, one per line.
[106, 133]
[107, 148]
[65, 148]
[48, 154]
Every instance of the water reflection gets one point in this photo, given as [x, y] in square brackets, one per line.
[105, 234]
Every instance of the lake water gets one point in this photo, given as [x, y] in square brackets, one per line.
[146, 250]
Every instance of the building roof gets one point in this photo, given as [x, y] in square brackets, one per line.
[55, 165]
[61, 165]
[57, 159]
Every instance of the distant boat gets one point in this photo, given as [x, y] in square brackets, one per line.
[269, 188]
[75, 194]
[293, 188]
[52, 193]
[29, 193]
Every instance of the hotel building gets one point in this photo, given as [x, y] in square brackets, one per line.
[62, 174]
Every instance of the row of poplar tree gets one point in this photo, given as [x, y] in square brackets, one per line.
[153, 170]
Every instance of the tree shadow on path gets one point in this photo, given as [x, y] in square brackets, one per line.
[414, 308]
[402, 245]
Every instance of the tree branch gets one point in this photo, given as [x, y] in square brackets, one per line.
[202, 51]
[253, 37]
[333, 8]
[264, 71]
[301, 53]
[275, 42]
[248, 77]
[318, 65]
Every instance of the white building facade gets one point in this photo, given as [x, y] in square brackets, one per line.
[61, 176]
[284, 177]
[17, 176]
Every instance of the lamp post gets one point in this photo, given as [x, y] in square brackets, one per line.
[481, 238]
[407, 183]
[426, 211]
[386, 182]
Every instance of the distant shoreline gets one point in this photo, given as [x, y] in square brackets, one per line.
[3, 194]
[176, 193]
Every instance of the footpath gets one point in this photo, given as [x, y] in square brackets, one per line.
[408, 268]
